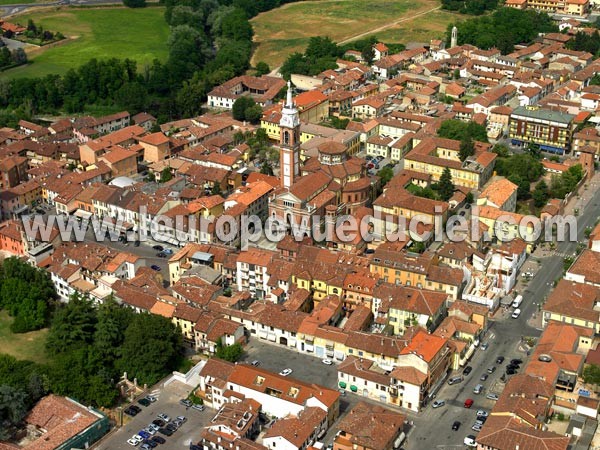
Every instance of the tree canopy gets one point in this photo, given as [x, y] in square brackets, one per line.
[459, 130]
[445, 186]
[321, 54]
[473, 7]
[503, 29]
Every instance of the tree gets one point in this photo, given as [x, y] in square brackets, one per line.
[591, 374]
[467, 148]
[459, 130]
[240, 106]
[13, 406]
[229, 353]
[262, 68]
[266, 168]
[523, 186]
[456, 74]
[150, 348]
[166, 175]
[132, 96]
[72, 327]
[216, 189]
[385, 175]
[445, 185]
[134, 3]
[540, 194]
[253, 114]
[367, 53]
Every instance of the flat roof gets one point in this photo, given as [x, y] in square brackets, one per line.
[543, 114]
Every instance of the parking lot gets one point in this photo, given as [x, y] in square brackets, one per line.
[167, 403]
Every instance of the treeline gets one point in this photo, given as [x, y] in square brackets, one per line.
[27, 294]
[472, 7]
[585, 42]
[503, 29]
[210, 41]
[10, 58]
[321, 54]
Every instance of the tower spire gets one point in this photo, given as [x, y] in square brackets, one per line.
[289, 103]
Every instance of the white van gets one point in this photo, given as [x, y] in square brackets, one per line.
[517, 301]
[516, 313]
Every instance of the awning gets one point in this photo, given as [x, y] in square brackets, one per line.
[342, 384]
[82, 214]
[353, 388]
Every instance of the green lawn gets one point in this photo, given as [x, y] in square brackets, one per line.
[29, 346]
[139, 34]
[283, 30]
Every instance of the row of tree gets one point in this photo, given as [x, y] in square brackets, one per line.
[10, 58]
[472, 7]
[585, 42]
[503, 29]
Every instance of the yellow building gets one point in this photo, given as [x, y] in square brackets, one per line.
[432, 155]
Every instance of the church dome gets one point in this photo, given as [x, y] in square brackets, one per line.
[332, 148]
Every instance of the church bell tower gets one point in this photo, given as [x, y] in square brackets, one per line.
[289, 141]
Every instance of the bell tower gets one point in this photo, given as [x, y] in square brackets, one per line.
[289, 141]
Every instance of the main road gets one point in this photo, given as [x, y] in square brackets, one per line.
[433, 427]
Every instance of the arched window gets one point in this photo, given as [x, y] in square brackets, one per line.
[286, 137]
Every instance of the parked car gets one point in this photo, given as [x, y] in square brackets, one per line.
[469, 441]
[478, 389]
[159, 423]
[327, 362]
[438, 403]
[150, 430]
[168, 251]
[342, 392]
[158, 247]
[483, 377]
[469, 402]
[492, 396]
[485, 346]
[454, 380]
[161, 255]
[134, 440]
[155, 267]
[136, 243]
[172, 427]
[158, 439]
[130, 412]
[255, 363]
[285, 372]
[516, 361]
[456, 425]
[476, 427]
[185, 402]
[482, 413]
[198, 407]
[164, 417]
[144, 434]
[153, 427]
[491, 370]
[182, 419]
[151, 398]
[165, 431]
[499, 359]
[510, 371]
[144, 401]
[467, 370]
[516, 313]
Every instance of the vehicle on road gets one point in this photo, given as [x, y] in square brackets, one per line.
[182, 419]
[285, 372]
[492, 396]
[456, 425]
[136, 243]
[476, 427]
[327, 362]
[155, 267]
[144, 434]
[255, 363]
[130, 412]
[478, 389]
[160, 248]
[438, 403]
[469, 441]
[168, 251]
[491, 370]
[158, 439]
[144, 402]
[516, 313]
[185, 402]
[517, 301]
[469, 402]
[499, 359]
[161, 255]
[485, 346]
[159, 423]
[454, 380]
[482, 413]
[516, 361]
[467, 370]
[151, 398]
[483, 377]
[199, 407]
[165, 431]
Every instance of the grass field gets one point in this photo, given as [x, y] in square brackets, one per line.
[421, 29]
[287, 29]
[139, 34]
[28, 346]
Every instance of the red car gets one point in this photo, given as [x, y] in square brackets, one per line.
[468, 403]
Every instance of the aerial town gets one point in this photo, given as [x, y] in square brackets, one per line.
[196, 283]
